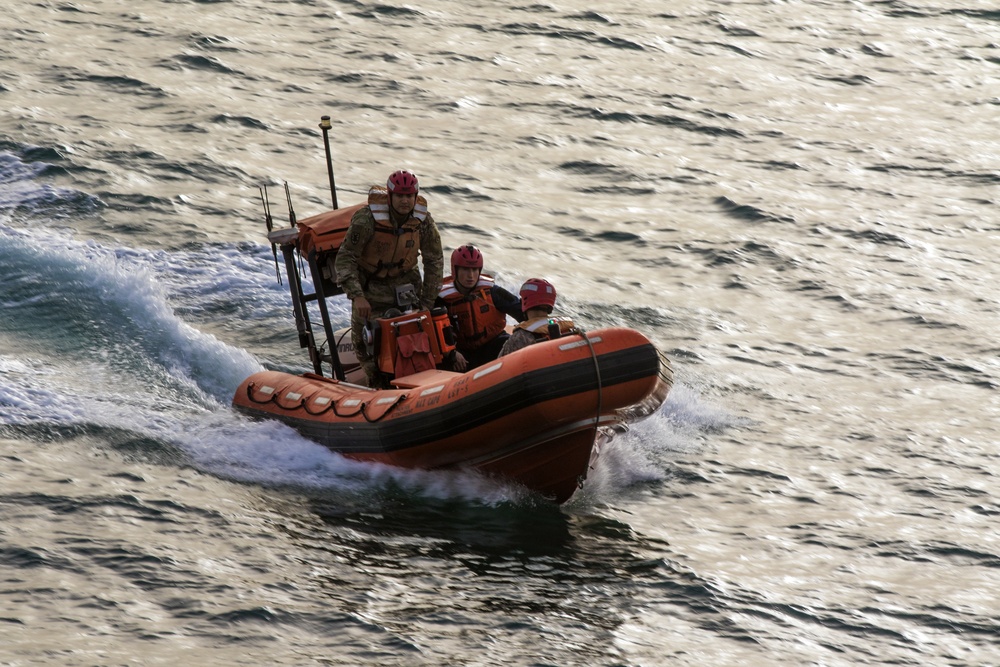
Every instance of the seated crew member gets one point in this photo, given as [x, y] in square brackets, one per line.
[380, 252]
[479, 309]
[538, 298]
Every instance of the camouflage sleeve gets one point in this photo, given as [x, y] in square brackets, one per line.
[346, 266]
[432, 255]
[519, 338]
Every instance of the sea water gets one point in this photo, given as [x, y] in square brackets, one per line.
[797, 201]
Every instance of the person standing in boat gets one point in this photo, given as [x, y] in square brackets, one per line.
[380, 252]
[538, 298]
[479, 309]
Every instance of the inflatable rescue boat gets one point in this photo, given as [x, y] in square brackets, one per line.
[532, 417]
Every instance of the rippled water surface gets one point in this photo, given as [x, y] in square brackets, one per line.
[797, 201]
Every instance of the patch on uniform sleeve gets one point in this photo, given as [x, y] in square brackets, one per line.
[355, 237]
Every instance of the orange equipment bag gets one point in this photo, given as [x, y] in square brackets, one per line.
[413, 342]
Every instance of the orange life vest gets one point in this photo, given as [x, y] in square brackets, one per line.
[392, 251]
[478, 319]
[539, 327]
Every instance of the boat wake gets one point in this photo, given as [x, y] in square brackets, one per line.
[97, 341]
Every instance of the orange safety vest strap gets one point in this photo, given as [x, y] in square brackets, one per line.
[539, 327]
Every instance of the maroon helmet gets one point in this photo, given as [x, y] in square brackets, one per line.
[467, 256]
[537, 292]
[402, 182]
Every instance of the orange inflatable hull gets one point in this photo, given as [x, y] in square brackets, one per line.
[531, 417]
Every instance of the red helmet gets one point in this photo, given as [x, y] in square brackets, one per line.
[402, 182]
[467, 256]
[537, 292]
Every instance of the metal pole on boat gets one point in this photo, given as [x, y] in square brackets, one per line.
[302, 323]
[338, 368]
[324, 124]
[269, 223]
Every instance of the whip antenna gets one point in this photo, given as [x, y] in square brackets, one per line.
[324, 124]
[269, 222]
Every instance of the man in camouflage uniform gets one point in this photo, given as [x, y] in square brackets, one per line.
[538, 298]
[379, 254]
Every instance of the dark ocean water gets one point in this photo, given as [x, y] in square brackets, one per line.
[796, 201]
